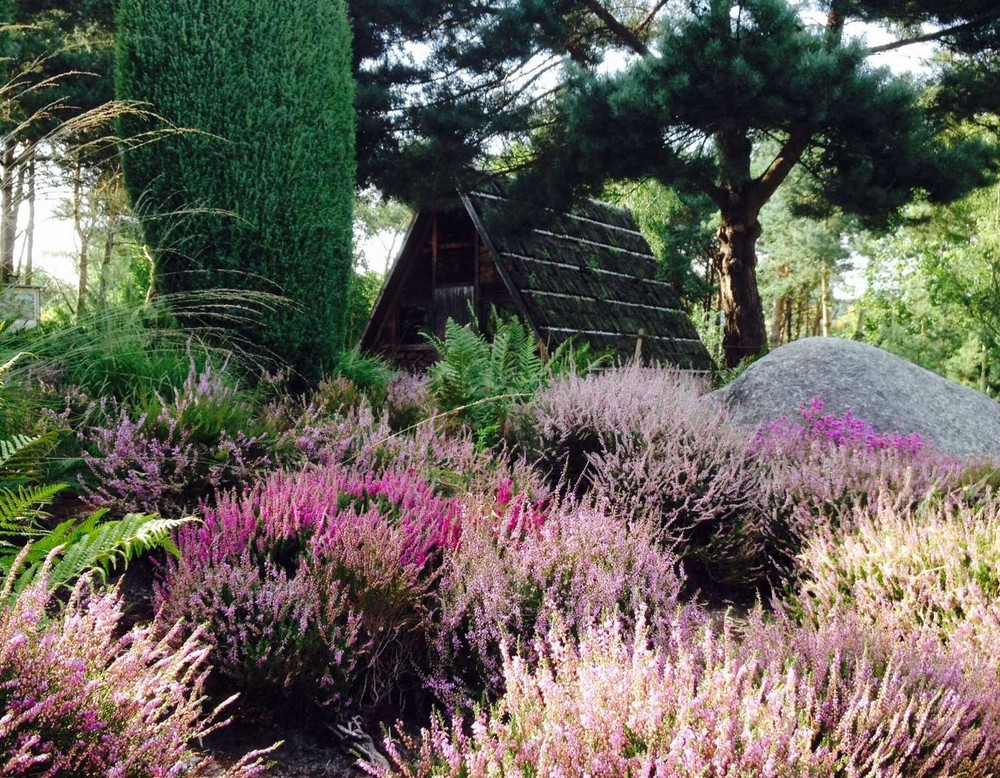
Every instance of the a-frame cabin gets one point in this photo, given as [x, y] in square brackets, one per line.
[588, 273]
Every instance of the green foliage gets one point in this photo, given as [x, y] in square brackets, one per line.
[361, 300]
[257, 188]
[369, 374]
[934, 289]
[129, 351]
[679, 227]
[21, 458]
[480, 379]
[77, 546]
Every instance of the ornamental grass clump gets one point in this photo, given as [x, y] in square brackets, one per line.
[168, 457]
[777, 700]
[519, 566]
[932, 570]
[77, 698]
[650, 443]
[817, 469]
[314, 587]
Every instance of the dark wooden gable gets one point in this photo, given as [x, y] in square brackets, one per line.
[588, 274]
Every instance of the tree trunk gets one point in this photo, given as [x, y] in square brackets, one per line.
[29, 235]
[109, 247]
[825, 302]
[83, 237]
[8, 212]
[744, 334]
[776, 317]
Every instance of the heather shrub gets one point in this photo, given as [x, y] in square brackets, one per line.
[362, 440]
[409, 401]
[819, 468]
[778, 700]
[934, 570]
[313, 587]
[337, 396]
[166, 459]
[77, 699]
[520, 565]
[650, 443]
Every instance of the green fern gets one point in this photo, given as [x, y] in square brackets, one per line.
[20, 511]
[92, 545]
[479, 379]
[22, 456]
[76, 546]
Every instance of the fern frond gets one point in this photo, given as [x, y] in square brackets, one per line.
[21, 457]
[102, 547]
[92, 545]
[19, 510]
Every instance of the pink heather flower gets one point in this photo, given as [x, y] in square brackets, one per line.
[78, 699]
[582, 561]
[710, 701]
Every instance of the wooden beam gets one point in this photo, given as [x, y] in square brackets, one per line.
[515, 294]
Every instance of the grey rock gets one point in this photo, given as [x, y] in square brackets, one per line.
[891, 393]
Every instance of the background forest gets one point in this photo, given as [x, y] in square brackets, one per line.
[922, 284]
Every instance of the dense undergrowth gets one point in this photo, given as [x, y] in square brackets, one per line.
[608, 579]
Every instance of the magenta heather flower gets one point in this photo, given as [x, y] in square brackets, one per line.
[839, 430]
[314, 585]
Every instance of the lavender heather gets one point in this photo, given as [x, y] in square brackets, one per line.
[650, 443]
[933, 570]
[409, 401]
[514, 557]
[165, 460]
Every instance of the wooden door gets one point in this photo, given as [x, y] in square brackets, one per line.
[453, 302]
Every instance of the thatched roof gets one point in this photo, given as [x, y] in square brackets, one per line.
[588, 273]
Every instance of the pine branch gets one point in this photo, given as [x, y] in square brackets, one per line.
[776, 173]
[625, 36]
[972, 24]
[648, 20]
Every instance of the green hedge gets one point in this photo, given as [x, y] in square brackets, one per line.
[255, 187]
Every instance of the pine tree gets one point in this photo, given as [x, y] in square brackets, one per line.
[255, 187]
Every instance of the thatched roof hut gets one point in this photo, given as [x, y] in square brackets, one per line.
[588, 273]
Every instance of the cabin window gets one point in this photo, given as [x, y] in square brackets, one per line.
[414, 321]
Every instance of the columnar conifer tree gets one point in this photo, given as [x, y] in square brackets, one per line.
[255, 189]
